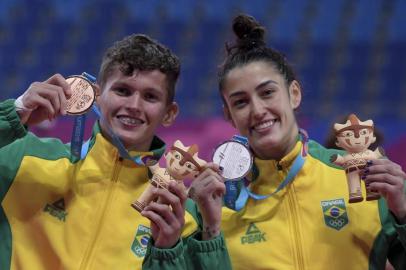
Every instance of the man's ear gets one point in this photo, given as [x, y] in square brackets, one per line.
[97, 89]
[227, 115]
[98, 93]
[295, 94]
[172, 111]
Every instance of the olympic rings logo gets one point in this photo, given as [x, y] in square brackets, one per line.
[140, 250]
[337, 222]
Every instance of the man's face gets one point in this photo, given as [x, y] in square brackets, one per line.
[355, 141]
[134, 106]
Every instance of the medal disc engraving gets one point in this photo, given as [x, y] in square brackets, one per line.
[83, 95]
[235, 158]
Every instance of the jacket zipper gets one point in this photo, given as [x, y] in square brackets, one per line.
[110, 191]
[295, 223]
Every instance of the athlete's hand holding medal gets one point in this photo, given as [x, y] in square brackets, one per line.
[56, 96]
[232, 161]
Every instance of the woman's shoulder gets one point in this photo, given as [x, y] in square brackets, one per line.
[323, 154]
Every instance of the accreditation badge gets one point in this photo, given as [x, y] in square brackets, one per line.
[83, 95]
[235, 158]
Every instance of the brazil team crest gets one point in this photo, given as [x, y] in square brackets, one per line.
[139, 246]
[335, 213]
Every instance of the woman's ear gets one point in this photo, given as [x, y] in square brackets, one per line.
[170, 115]
[227, 115]
[295, 94]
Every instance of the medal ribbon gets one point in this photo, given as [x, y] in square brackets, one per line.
[297, 165]
[79, 123]
[232, 186]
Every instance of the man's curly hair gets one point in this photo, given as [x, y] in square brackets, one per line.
[140, 52]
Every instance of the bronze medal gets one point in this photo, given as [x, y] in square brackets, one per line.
[83, 95]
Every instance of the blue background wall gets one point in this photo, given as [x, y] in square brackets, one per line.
[350, 55]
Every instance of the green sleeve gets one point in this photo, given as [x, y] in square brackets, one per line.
[397, 248]
[11, 156]
[10, 125]
[10, 160]
[211, 254]
[165, 259]
[189, 253]
[401, 230]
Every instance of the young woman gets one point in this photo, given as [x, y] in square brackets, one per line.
[308, 223]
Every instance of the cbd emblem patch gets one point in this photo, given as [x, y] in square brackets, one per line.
[335, 213]
[252, 235]
[57, 209]
[139, 246]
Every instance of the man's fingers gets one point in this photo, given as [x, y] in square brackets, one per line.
[50, 92]
[156, 219]
[164, 218]
[39, 101]
[178, 190]
[58, 83]
[178, 208]
[53, 96]
[168, 198]
[59, 80]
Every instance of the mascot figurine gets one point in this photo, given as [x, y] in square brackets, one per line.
[355, 137]
[181, 163]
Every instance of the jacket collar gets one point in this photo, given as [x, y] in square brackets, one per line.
[155, 152]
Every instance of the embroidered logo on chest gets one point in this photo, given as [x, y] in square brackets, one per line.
[139, 246]
[253, 235]
[57, 209]
[335, 213]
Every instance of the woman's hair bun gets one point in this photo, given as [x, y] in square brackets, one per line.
[249, 32]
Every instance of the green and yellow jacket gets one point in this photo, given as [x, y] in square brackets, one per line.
[309, 224]
[58, 212]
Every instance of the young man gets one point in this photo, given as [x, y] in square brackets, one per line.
[62, 212]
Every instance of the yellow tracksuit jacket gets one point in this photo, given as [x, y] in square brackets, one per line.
[58, 212]
[309, 224]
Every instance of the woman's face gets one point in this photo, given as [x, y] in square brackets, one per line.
[261, 107]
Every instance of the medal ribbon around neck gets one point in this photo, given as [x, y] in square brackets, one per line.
[297, 165]
[80, 149]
